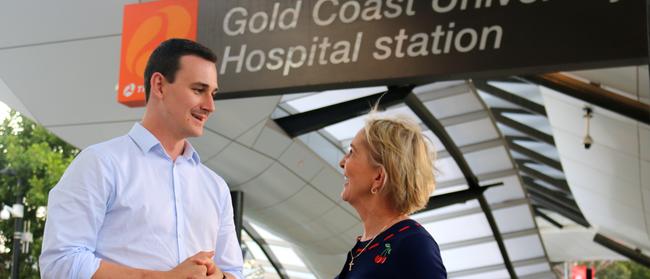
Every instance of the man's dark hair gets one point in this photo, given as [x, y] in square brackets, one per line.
[165, 59]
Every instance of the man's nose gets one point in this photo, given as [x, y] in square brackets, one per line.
[208, 103]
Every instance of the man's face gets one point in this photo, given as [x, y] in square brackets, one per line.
[188, 100]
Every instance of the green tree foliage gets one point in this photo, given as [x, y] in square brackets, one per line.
[38, 159]
[616, 270]
[623, 270]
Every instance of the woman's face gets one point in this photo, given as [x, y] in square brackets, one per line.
[359, 172]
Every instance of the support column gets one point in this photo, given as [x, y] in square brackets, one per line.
[238, 211]
[18, 227]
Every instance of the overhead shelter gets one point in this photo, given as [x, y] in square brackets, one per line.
[515, 187]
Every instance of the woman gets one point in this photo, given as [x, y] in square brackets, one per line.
[389, 174]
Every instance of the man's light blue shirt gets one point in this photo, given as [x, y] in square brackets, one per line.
[127, 202]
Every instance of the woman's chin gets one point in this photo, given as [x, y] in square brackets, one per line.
[344, 195]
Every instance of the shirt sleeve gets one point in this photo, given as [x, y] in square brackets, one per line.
[419, 257]
[228, 255]
[76, 209]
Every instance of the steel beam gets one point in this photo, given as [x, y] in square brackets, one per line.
[313, 120]
[564, 211]
[520, 138]
[510, 97]
[559, 183]
[547, 218]
[473, 210]
[551, 194]
[534, 155]
[457, 197]
[633, 254]
[487, 239]
[531, 132]
[593, 94]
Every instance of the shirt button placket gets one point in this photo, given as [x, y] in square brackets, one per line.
[179, 213]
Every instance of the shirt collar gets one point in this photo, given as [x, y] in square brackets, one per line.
[145, 140]
[190, 153]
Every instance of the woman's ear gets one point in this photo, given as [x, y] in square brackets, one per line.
[380, 178]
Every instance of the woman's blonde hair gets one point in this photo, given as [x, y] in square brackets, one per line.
[398, 145]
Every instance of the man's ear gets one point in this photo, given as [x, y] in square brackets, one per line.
[156, 85]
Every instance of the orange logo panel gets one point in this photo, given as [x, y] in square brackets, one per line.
[145, 26]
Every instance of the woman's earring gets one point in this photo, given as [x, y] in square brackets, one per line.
[373, 191]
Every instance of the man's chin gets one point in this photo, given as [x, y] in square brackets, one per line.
[195, 133]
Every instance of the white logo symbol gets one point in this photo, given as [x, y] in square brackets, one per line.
[128, 90]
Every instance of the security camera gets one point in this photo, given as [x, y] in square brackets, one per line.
[587, 141]
[589, 113]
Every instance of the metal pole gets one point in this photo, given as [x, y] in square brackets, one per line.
[647, 31]
[238, 211]
[18, 226]
[633, 254]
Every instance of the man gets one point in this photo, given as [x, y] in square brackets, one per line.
[142, 205]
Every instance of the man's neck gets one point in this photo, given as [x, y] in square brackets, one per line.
[173, 146]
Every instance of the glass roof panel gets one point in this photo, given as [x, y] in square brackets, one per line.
[489, 160]
[472, 132]
[532, 269]
[473, 256]
[436, 86]
[525, 247]
[501, 273]
[468, 227]
[330, 97]
[454, 105]
[447, 170]
[537, 122]
[512, 219]
[290, 261]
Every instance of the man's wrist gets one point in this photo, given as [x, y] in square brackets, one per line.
[150, 274]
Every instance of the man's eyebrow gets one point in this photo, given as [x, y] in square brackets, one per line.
[200, 84]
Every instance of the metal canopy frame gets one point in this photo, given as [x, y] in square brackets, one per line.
[512, 98]
[259, 240]
[309, 121]
[522, 128]
[436, 127]
[542, 198]
[560, 200]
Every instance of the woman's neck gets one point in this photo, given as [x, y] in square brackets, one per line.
[377, 219]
